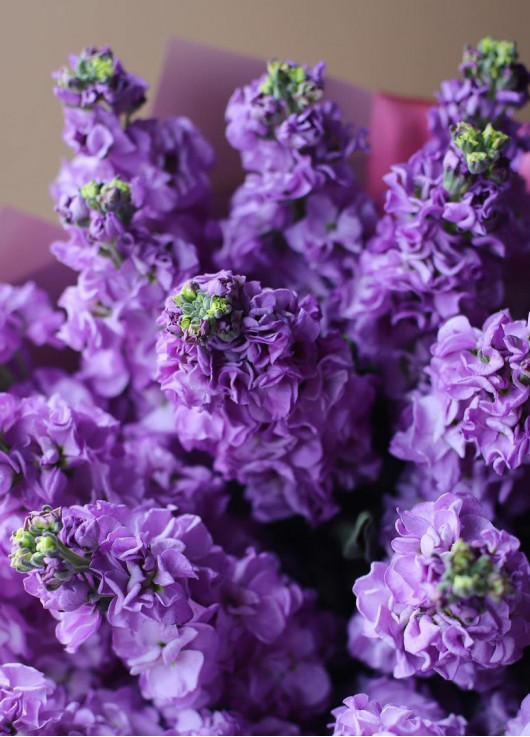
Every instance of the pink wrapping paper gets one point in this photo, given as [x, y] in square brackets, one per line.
[197, 81]
[398, 128]
[25, 249]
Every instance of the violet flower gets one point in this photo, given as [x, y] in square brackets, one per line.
[453, 598]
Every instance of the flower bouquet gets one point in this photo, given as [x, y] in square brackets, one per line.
[251, 398]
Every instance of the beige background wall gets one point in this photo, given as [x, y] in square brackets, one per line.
[401, 46]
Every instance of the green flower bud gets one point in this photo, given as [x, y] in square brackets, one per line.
[468, 574]
[481, 149]
[200, 311]
[291, 84]
[23, 538]
[96, 68]
[493, 64]
[114, 196]
[186, 294]
[36, 544]
[47, 544]
[90, 190]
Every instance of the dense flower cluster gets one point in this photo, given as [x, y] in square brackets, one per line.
[24, 696]
[493, 83]
[197, 625]
[454, 597]
[132, 201]
[254, 382]
[197, 465]
[394, 707]
[26, 318]
[299, 220]
[452, 218]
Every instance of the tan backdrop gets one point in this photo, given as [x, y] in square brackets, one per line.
[401, 46]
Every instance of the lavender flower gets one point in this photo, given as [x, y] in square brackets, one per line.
[100, 711]
[480, 379]
[453, 222]
[299, 220]
[25, 706]
[453, 597]
[252, 382]
[132, 201]
[494, 85]
[26, 317]
[394, 708]
[447, 227]
[185, 617]
[521, 722]
[97, 77]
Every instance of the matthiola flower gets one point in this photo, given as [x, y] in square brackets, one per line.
[25, 704]
[26, 317]
[453, 598]
[494, 84]
[445, 231]
[286, 678]
[455, 219]
[97, 77]
[299, 220]
[393, 708]
[520, 724]
[111, 316]
[204, 722]
[52, 451]
[503, 498]
[479, 380]
[135, 204]
[154, 466]
[101, 711]
[252, 381]
[194, 623]
[132, 568]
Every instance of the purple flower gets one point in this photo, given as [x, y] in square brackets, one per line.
[286, 678]
[394, 708]
[52, 451]
[480, 384]
[253, 383]
[25, 706]
[97, 76]
[102, 711]
[438, 246]
[494, 85]
[26, 315]
[453, 598]
[520, 724]
[204, 722]
[299, 220]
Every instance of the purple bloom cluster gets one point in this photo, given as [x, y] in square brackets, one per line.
[454, 597]
[96, 77]
[520, 724]
[494, 83]
[253, 382]
[299, 220]
[27, 319]
[466, 430]
[24, 700]
[177, 544]
[394, 708]
[132, 201]
[452, 220]
[197, 625]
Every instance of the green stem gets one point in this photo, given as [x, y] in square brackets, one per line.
[79, 561]
[7, 378]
